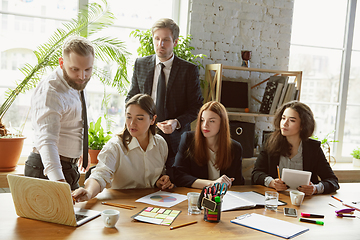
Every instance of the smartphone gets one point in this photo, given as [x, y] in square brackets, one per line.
[290, 212]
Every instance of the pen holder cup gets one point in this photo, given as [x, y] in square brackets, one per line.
[213, 213]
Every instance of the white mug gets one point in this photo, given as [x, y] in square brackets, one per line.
[110, 217]
[296, 197]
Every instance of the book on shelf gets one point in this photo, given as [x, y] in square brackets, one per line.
[278, 79]
[290, 91]
[276, 98]
[268, 97]
[283, 92]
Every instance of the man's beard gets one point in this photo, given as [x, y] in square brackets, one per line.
[72, 82]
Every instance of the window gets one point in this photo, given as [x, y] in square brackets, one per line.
[323, 47]
[27, 24]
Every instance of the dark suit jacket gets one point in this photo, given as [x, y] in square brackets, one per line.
[186, 170]
[313, 160]
[183, 95]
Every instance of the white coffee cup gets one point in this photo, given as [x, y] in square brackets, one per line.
[110, 217]
[296, 197]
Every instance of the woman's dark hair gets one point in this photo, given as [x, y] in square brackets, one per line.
[277, 144]
[147, 104]
[199, 147]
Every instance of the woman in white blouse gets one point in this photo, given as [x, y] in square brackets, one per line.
[133, 159]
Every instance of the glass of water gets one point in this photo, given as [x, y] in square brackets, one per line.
[193, 198]
[271, 200]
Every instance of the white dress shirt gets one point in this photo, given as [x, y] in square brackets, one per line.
[119, 168]
[167, 70]
[56, 119]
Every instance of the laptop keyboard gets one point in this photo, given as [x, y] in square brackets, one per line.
[79, 217]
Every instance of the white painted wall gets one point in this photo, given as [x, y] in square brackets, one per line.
[222, 28]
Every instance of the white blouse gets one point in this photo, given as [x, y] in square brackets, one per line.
[214, 173]
[119, 168]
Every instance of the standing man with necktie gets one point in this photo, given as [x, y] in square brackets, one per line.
[59, 117]
[172, 82]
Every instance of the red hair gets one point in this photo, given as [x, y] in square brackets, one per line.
[223, 154]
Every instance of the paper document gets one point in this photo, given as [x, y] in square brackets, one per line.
[295, 178]
[270, 225]
[163, 199]
[243, 200]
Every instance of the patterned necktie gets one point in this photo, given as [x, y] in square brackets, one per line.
[85, 138]
[160, 95]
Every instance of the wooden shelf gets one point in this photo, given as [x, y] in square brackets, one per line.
[213, 91]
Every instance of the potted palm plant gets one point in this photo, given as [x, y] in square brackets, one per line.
[356, 157]
[92, 20]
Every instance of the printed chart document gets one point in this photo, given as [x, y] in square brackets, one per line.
[270, 225]
[295, 178]
[163, 199]
[243, 200]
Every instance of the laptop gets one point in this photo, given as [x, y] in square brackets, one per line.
[48, 201]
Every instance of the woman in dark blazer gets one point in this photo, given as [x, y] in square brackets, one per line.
[209, 155]
[289, 146]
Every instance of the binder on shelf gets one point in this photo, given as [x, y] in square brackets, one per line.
[276, 98]
[289, 93]
[283, 93]
[268, 97]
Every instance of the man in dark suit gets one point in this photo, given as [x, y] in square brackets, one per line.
[179, 100]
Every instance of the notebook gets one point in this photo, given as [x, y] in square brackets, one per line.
[270, 225]
[48, 201]
[243, 200]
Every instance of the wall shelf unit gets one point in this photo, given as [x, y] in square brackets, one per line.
[214, 83]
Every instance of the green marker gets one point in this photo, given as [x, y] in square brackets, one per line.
[311, 221]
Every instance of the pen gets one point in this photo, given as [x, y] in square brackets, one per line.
[183, 225]
[119, 205]
[311, 221]
[311, 215]
[336, 198]
[345, 215]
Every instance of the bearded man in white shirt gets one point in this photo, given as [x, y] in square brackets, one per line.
[57, 116]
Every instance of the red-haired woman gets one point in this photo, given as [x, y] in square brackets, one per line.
[209, 155]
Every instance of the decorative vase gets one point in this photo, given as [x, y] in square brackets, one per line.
[10, 151]
[356, 162]
[246, 56]
[93, 155]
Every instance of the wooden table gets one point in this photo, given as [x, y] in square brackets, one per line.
[16, 228]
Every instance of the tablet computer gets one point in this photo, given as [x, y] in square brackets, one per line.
[295, 178]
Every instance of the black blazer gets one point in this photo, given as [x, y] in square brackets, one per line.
[313, 160]
[186, 170]
[183, 95]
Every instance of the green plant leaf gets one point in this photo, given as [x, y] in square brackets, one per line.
[181, 50]
[94, 19]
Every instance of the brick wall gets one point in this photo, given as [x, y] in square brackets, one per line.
[222, 28]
